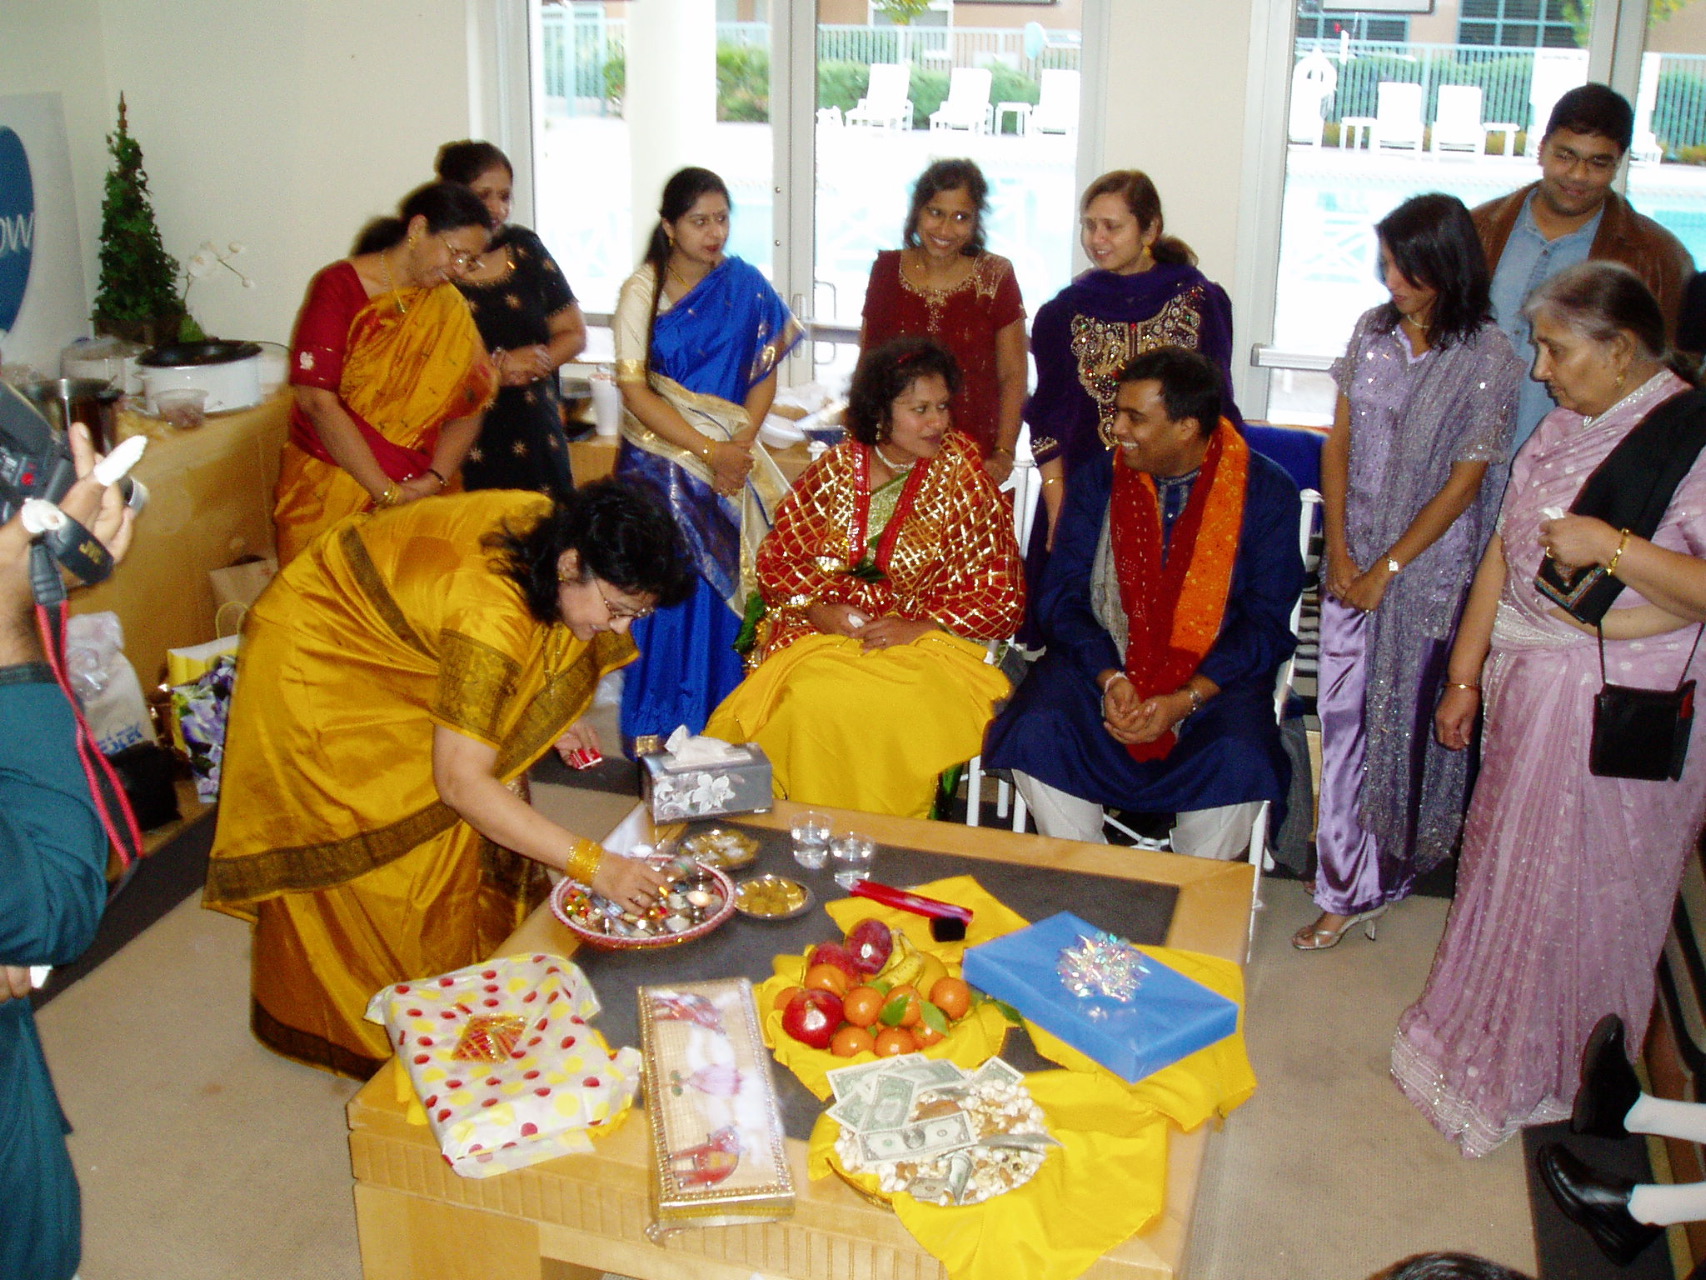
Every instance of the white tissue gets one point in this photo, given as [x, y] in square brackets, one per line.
[688, 751]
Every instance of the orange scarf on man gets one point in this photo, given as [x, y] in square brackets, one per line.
[1175, 602]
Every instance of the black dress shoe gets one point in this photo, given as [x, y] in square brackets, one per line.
[1596, 1202]
[1609, 1087]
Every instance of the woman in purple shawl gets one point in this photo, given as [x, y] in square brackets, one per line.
[1411, 475]
[1144, 292]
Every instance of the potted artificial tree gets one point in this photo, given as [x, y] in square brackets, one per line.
[138, 297]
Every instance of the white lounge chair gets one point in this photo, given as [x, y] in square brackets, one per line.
[1398, 116]
[967, 105]
[1314, 80]
[886, 104]
[1057, 104]
[1457, 122]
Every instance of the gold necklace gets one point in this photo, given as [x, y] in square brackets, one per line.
[385, 262]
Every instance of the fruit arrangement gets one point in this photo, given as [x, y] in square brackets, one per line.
[873, 992]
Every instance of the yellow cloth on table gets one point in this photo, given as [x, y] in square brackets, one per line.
[334, 839]
[864, 730]
[1106, 1183]
[991, 918]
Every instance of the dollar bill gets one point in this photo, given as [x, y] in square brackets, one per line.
[930, 1072]
[891, 1102]
[847, 1080]
[995, 1071]
[851, 1112]
[917, 1141]
[959, 1174]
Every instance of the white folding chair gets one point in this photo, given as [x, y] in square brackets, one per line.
[886, 104]
[1027, 491]
[967, 105]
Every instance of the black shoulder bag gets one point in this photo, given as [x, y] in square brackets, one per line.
[1641, 733]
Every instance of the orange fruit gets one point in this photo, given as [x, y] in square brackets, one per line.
[952, 997]
[827, 977]
[861, 1006]
[784, 995]
[851, 1040]
[894, 1041]
[903, 1007]
[926, 1035]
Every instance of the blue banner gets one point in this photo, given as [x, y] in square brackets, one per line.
[17, 226]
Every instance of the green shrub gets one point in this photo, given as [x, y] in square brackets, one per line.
[841, 84]
[929, 90]
[743, 83]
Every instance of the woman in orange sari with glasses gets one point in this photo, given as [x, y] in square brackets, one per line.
[389, 372]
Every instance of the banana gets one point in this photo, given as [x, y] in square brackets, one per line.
[905, 962]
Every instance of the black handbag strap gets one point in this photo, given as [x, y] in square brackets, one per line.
[1599, 630]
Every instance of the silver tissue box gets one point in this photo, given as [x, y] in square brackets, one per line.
[678, 793]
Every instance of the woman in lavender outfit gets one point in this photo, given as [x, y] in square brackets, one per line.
[1411, 475]
[1568, 877]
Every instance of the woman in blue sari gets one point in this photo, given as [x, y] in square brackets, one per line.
[699, 336]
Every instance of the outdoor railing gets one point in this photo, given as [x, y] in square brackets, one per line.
[1504, 75]
[584, 55]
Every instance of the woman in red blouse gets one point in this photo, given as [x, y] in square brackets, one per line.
[944, 284]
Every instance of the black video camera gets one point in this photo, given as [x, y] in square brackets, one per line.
[35, 462]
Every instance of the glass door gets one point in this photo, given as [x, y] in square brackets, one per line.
[1667, 162]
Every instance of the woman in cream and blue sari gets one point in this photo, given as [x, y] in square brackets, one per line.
[699, 336]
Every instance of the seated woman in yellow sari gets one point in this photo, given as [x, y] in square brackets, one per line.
[398, 679]
[390, 375]
[891, 564]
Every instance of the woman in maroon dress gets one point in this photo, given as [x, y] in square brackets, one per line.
[943, 284]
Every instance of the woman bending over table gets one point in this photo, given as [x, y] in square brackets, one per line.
[531, 325]
[398, 680]
[1411, 474]
[698, 337]
[890, 568]
[945, 285]
[1567, 878]
[389, 372]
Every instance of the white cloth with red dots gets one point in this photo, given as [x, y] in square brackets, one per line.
[504, 1062]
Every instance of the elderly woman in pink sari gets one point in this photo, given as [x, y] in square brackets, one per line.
[1567, 877]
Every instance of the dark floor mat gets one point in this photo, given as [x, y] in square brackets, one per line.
[1564, 1250]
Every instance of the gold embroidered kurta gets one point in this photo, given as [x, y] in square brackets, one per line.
[332, 835]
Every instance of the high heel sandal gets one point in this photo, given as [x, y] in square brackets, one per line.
[1310, 938]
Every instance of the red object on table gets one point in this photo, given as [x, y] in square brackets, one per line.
[947, 921]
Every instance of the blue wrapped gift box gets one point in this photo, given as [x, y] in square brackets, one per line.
[1170, 1016]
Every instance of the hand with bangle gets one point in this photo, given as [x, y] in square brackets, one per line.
[1454, 718]
[628, 882]
[999, 463]
[1574, 542]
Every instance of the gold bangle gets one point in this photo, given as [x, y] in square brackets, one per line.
[1611, 568]
[1052, 480]
[1001, 448]
[1458, 684]
[387, 496]
[584, 861]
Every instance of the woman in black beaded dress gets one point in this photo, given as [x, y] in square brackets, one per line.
[531, 324]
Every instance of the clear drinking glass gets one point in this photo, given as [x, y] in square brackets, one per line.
[811, 832]
[853, 853]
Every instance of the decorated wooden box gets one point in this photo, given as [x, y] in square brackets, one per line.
[717, 1140]
[687, 786]
[1127, 1010]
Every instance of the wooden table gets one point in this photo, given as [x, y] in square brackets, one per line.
[575, 1217]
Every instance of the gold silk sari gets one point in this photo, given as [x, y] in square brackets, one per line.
[414, 361]
[332, 837]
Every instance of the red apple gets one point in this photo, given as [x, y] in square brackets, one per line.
[838, 955]
[812, 1017]
[870, 943]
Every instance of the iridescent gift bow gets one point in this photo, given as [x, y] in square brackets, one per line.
[1102, 965]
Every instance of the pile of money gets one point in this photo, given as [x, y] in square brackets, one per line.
[939, 1133]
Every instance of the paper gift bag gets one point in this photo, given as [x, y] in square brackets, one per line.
[236, 587]
[202, 678]
[504, 1063]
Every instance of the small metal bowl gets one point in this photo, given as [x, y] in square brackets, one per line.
[772, 898]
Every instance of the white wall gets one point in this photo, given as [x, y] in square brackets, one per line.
[283, 125]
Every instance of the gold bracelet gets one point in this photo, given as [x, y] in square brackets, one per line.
[584, 861]
[1611, 568]
[1001, 448]
[1052, 480]
[387, 496]
[1458, 684]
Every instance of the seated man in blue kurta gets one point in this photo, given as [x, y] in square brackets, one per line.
[1166, 610]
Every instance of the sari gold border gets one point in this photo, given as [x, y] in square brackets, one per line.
[475, 684]
[372, 585]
